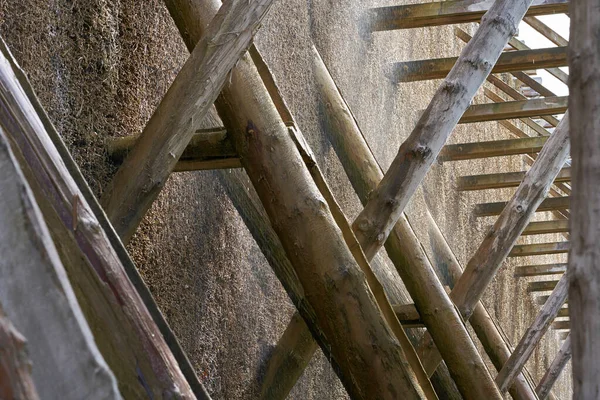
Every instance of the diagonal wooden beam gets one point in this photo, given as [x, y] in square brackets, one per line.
[538, 249]
[533, 334]
[558, 364]
[584, 271]
[515, 109]
[438, 68]
[549, 204]
[552, 70]
[144, 172]
[494, 148]
[543, 269]
[545, 30]
[447, 12]
[501, 180]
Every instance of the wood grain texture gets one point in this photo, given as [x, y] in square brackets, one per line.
[558, 365]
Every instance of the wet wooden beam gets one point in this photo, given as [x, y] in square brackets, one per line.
[558, 365]
[541, 269]
[539, 249]
[494, 148]
[515, 109]
[549, 204]
[501, 180]
[533, 335]
[447, 12]
[421, 70]
[546, 31]
[541, 286]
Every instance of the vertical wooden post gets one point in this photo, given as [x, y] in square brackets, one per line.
[584, 266]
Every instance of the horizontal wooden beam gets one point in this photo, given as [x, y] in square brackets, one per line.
[447, 12]
[544, 227]
[494, 148]
[501, 180]
[208, 149]
[541, 286]
[542, 269]
[438, 68]
[515, 109]
[561, 325]
[549, 204]
[539, 249]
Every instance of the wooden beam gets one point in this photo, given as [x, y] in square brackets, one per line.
[533, 335]
[554, 71]
[584, 270]
[549, 204]
[447, 12]
[561, 325]
[502, 180]
[541, 286]
[494, 148]
[106, 282]
[144, 172]
[546, 31]
[438, 68]
[537, 249]
[515, 109]
[542, 269]
[207, 149]
[558, 365]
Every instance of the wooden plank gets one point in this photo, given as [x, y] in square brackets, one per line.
[546, 31]
[438, 68]
[541, 286]
[447, 12]
[109, 289]
[584, 270]
[549, 204]
[561, 325]
[501, 180]
[539, 249]
[494, 148]
[515, 109]
[533, 335]
[558, 364]
[542, 269]
[554, 71]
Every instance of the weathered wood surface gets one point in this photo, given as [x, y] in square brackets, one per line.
[533, 334]
[37, 296]
[106, 283]
[515, 109]
[432, 301]
[438, 68]
[541, 300]
[15, 366]
[501, 180]
[296, 207]
[558, 365]
[545, 30]
[537, 270]
[552, 70]
[584, 269]
[447, 12]
[207, 149]
[561, 325]
[494, 148]
[146, 169]
[541, 286]
[538, 249]
[542, 227]
[549, 204]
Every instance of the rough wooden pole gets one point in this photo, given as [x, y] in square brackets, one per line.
[558, 364]
[499, 241]
[421, 148]
[584, 269]
[333, 282]
[146, 169]
[97, 264]
[533, 334]
[15, 365]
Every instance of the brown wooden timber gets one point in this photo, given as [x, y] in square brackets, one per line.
[438, 68]
[447, 12]
[541, 286]
[554, 71]
[546, 31]
[15, 366]
[561, 325]
[541, 300]
[533, 334]
[549, 204]
[439, 314]
[278, 171]
[107, 284]
[494, 148]
[537, 270]
[537, 249]
[515, 109]
[584, 269]
[501, 180]
[144, 172]
[207, 149]
[558, 364]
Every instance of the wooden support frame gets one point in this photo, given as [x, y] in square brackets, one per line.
[561, 325]
[515, 109]
[542, 269]
[502, 180]
[493, 148]
[421, 70]
[538, 249]
[543, 227]
[549, 204]
[541, 286]
[546, 31]
[447, 12]
[558, 365]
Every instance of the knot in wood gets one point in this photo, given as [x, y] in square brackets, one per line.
[251, 129]
[363, 225]
[519, 208]
[451, 87]
[381, 238]
[421, 151]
